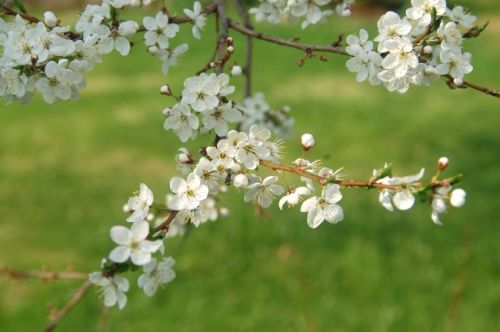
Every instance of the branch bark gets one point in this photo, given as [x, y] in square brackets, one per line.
[59, 314]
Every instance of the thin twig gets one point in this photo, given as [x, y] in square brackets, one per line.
[308, 48]
[343, 183]
[12, 12]
[164, 225]
[486, 90]
[59, 314]
[45, 275]
[247, 69]
[104, 319]
[338, 50]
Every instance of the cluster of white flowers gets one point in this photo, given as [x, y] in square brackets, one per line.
[46, 57]
[205, 95]
[134, 245]
[256, 110]
[416, 49]
[309, 11]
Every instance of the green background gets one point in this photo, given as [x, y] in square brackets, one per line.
[66, 170]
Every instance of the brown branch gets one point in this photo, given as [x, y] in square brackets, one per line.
[59, 314]
[44, 275]
[486, 90]
[12, 12]
[334, 49]
[247, 69]
[286, 42]
[164, 225]
[321, 180]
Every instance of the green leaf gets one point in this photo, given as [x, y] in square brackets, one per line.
[19, 4]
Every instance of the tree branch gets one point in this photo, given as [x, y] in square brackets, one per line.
[45, 275]
[12, 12]
[371, 183]
[334, 49]
[247, 69]
[59, 314]
[286, 42]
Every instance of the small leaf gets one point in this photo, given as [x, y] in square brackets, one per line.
[19, 4]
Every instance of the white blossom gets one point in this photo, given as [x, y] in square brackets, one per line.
[403, 199]
[199, 20]
[201, 92]
[133, 244]
[324, 207]
[140, 204]
[219, 117]
[421, 10]
[159, 30]
[294, 196]
[189, 193]
[264, 192]
[391, 27]
[113, 288]
[458, 14]
[156, 274]
[180, 119]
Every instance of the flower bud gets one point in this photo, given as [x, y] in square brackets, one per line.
[166, 111]
[223, 189]
[236, 168]
[427, 49]
[153, 49]
[458, 81]
[236, 70]
[213, 64]
[50, 19]
[165, 90]
[150, 217]
[230, 49]
[126, 208]
[224, 212]
[307, 141]
[346, 12]
[442, 163]
[286, 109]
[229, 41]
[240, 181]
[457, 198]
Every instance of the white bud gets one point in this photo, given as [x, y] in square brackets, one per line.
[153, 49]
[346, 12]
[165, 90]
[150, 217]
[223, 189]
[126, 208]
[230, 49]
[427, 49]
[307, 141]
[50, 19]
[240, 180]
[166, 111]
[236, 70]
[224, 212]
[183, 158]
[458, 81]
[236, 168]
[457, 198]
[286, 109]
[442, 163]
[213, 64]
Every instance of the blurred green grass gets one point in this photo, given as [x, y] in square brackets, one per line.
[66, 170]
